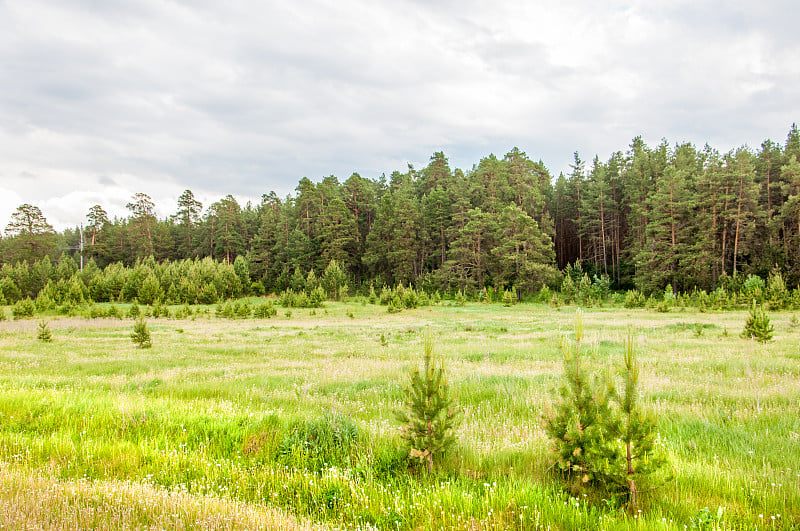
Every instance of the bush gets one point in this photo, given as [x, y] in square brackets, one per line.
[635, 299]
[141, 335]
[257, 289]
[225, 310]
[242, 310]
[96, 312]
[510, 297]
[568, 289]
[753, 288]
[23, 309]
[265, 310]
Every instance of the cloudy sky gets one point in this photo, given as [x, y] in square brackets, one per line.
[100, 99]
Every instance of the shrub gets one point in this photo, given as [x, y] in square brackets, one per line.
[601, 287]
[461, 300]
[96, 312]
[586, 294]
[430, 414]
[242, 310]
[758, 326]
[373, 298]
[754, 287]
[225, 310]
[776, 290]
[265, 310]
[510, 297]
[257, 289]
[635, 299]
[24, 308]
[568, 289]
[141, 335]
[44, 302]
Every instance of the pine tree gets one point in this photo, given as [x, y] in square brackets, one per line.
[575, 427]
[630, 457]
[430, 414]
[187, 216]
[758, 326]
[141, 335]
[33, 235]
[142, 222]
[44, 334]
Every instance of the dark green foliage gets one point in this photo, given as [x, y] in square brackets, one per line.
[23, 309]
[43, 333]
[568, 289]
[575, 426]
[629, 458]
[602, 439]
[648, 217]
[758, 326]
[141, 335]
[429, 415]
[257, 289]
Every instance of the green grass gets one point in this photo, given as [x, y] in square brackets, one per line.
[295, 415]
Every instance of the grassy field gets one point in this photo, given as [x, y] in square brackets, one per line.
[287, 422]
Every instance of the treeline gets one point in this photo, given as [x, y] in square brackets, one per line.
[646, 218]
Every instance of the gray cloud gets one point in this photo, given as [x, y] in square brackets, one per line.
[243, 97]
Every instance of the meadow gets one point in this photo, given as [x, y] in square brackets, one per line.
[288, 422]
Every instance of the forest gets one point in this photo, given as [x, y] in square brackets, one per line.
[646, 218]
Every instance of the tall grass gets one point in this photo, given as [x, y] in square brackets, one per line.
[296, 413]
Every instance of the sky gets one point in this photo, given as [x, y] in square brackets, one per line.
[101, 99]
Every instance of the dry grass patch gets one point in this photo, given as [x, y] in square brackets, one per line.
[34, 502]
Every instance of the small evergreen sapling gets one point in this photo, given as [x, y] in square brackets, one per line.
[44, 334]
[758, 326]
[141, 335]
[430, 414]
[575, 427]
[631, 458]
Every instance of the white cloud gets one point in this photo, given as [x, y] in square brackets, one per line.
[243, 97]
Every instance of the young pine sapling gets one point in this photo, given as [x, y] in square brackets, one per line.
[430, 413]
